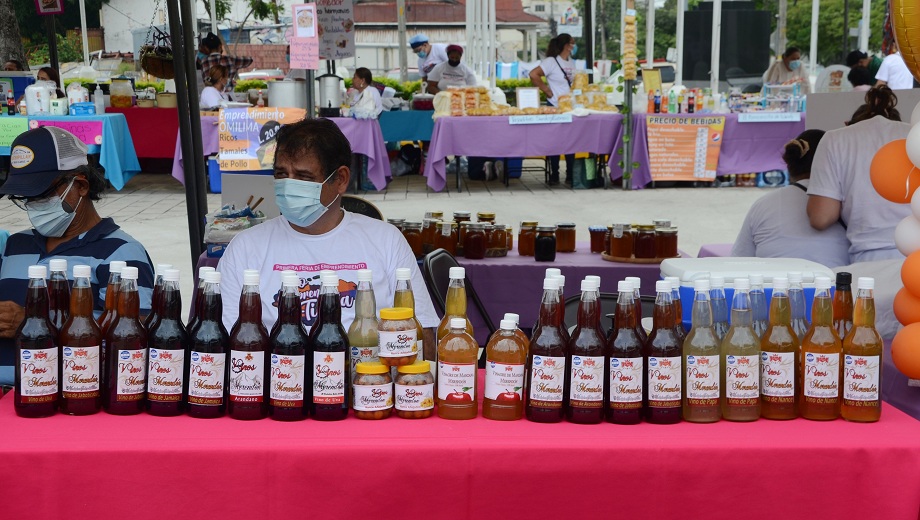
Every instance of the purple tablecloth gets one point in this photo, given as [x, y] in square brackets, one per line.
[364, 135]
[495, 137]
[720, 250]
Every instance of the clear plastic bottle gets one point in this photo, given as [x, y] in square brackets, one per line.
[719, 306]
[702, 358]
[797, 303]
[741, 360]
[457, 373]
[820, 373]
[862, 360]
[779, 358]
[362, 334]
[455, 306]
[404, 297]
[506, 356]
[843, 304]
[759, 307]
[664, 359]
[517, 329]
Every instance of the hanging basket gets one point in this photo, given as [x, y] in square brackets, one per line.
[158, 61]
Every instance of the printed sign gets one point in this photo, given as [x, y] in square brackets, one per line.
[10, 128]
[769, 117]
[247, 136]
[90, 132]
[540, 119]
[46, 7]
[336, 29]
[684, 148]
[304, 41]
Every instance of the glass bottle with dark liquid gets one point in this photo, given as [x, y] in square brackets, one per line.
[197, 301]
[636, 283]
[779, 358]
[111, 298]
[289, 373]
[586, 361]
[820, 372]
[81, 370]
[331, 388]
[544, 383]
[701, 359]
[663, 361]
[157, 292]
[38, 362]
[210, 342]
[627, 366]
[58, 293]
[167, 370]
[249, 369]
[125, 353]
[678, 307]
[843, 304]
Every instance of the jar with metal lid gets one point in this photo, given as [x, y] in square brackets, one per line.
[398, 222]
[498, 241]
[436, 215]
[621, 241]
[474, 242]
[565, 237]
[487, 229]
[398, 336]
[485, 217]
[666, 242]
[645, 241]
[429, 233]
[598, 233]
[461, 216]
[461, 237]
[544, 249]
[414, 391]
[373, 391]
[446, 237]
[661, 223]
[412, 231]
[509, 233]
[526, 237]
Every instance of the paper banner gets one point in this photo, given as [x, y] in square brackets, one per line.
[304, 40]
[336, 29]
[684, 148]
[10, 128]
[247, 136]
[90, 132]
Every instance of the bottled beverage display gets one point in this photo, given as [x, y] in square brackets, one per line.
[596, 288]
[663, 353]
[627, 365]
[702, 361]
[331, 387]
[150, 321]
[544, 381]
[208, 354]
[249, 380]
[740, 379]
[719, 306]
[289, 346]
[657, 102]
[516, 319]
[125, 352]
[561, 308]
[678, 306]
[197, 300]
[111, 297]
[797, 304]
[636, 283]
[843, 304]
[455, 304]
[362, 334]
[38, 359]
[862, 360]
[820, 363]
[168, 342]
[506, 355]
[457, 373]
[586, 361]
[759, 308]
[779, 358]
[81, 350]
[404, 297]
[58, 293]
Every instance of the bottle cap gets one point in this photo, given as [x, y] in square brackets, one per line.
[780, 283]
[552, 271]
[38, 271]
[756, 279]
[287, 272]
[171, 275]
[58, 264]
[330, 280]
[210, 277]
[675, 280]
[163, 267]
[129, 273]
[844, 278]
[795, 277]
[457, 273]
[508, 325]
[742, 284]
[366, 275]
[716, 282]
[635, 281]
[201, 271]
[82, 271]
[663, 286]
[290, 280]
[587, 286]
[419, 367]
[371, 367]
[325, 272]
[701, 284]
[561, 279]
[513, 317]
[624, 286]
[458, 323]
[116, 266]
[865, 282]
[250, 277]
[396, 313]
[403, 273]
[550, 284]
[822, 283]
[595, 279]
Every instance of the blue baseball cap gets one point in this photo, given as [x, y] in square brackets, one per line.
[418, 40]
[38, 158]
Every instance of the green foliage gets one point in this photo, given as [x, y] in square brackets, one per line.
[244, 85]
[159, 86]
[69, 49]
[87, 83]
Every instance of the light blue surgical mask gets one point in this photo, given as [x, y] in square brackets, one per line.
[795, 64]
[50, 216]
[574, 50]
[422, 54]
[299, 200]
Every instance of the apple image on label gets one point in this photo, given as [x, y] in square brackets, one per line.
[510, 396]
[460, 396]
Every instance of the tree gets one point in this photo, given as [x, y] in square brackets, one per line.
[10, 38]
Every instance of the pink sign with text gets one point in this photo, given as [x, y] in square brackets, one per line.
[90, 132]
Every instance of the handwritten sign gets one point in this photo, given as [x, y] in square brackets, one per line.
[336, 29]
[684, 148]
[528, 97]
[304, 39]
[540, 119]
[769, 117]
[10, 128]
[246, 136]
[90, 132]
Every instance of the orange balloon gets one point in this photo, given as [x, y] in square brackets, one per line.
[910, 274]
[893, 175]
[905, 351]
[906, 307]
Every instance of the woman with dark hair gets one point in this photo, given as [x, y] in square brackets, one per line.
[861, 79]
[50, 74]
[13, 66]
[777, 225]
[840, 188]
[365, 102]
[558, 68]
[212, 95]
[788, 69]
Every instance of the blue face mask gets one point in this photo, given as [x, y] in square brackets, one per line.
[574, 50]
[49, 217]
[795, 64]
[299, 200]
[422, 54]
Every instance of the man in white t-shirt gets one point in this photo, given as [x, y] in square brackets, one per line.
[429, 54]
[314, 233]
[451, 73]
[894, 73]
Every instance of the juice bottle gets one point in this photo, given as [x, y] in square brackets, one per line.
[740, 379]
[560, 309]
[288, 346]
[168, 342]
[627, 366]
[637, 303]
[111, 297]
[208, 354]
[843, 304]
[506, 356]
[331, 388]
[125, 352]
[651, 103]
[702, 357]
[455, 306]
[81, 392]
[596, 288]
[517, 329]
[157, 290]
[797, 303]
[197, 300]
[719, 306]
[862, 358]
[544, 375]
[759, 309]
[819, 374]
[58, 293]
[779, 358]
[250, 372]
[37, 353]
[362, 334]
[678, 307]
[404, 297]
[663, 354]
[586, 361]
[457, 372]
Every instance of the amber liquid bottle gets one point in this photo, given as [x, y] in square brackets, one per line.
[197, 300]
[820, 374]
[862, 360]
[843, 304]
[289, 344]
[702, 385]
[38, 361]
[627, 365]
[58, 294]
[330, 363]
[587, 362]
[779, 359]
[759, 307]
[249, 369]
[678, 307]
[457, 373]
[125, 353]
[210, 342]
[637, 303]
[111, 298]
[663, 353]
[362, 334]
[167, 369]
[544, 374]
[797, 303]
[517, 329]
[404, 297]
[506, 355]
[455, 306]
[81, 370]
[150, 321]
[741, 360]
[719, 306]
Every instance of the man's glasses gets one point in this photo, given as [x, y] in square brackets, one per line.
[36, 202]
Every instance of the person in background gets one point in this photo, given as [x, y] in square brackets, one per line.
[13, 66]
[213, 94]
[860, 78]
[894, 72]
[429, 54]
[51, 179]
[365, 100]
[840, 188]
[788, 69]
[210, 53]
[777, 224]
[50, 74]
[559, 70]
[451, 73]
[858, 58]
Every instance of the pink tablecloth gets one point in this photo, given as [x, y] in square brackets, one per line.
[364, 136]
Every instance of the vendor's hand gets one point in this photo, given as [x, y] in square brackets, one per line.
[11, 315]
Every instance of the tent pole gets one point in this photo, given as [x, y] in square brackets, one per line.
[813, 49]
[716, 45]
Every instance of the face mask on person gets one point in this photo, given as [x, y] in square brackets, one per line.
[422, 54]
[795, 64]
[453, 63]
[299, 200]
[574, 50]
[50, 217]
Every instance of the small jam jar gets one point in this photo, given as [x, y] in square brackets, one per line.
[598, 234]
[485, 217]
[446, 237]
[413, 233]
[461, 237]
[646, 246]
[666, 242]
[498, 240]
[565, 237]
[526, 237]
[414, 391]
[510, 235]
[661, 223]
[436, 215]
[397, 337]
[398, 222]
[474, 242]
[461, 216]
[429, 232]
[544, 249]
[373, 391]
[621, 241]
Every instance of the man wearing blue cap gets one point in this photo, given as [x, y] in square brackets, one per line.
[429, 54]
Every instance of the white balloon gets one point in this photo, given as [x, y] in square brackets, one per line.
[915, 201]
[907, 235]
[913, 145]
[915, 115]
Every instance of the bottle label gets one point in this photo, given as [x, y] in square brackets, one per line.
[703, 380]
[664, 387]
[457, 382]
[547, 378]
[777, 371]
[626, 383]
[742, 380]
[80, 372]
[504, 382]
[247, 376]
[822, 376]
[164, 375]
[860, 380]
[132, 372]
[362, 355]
[287, 380]
[413, 398]
[328, 377]
[206, 378]
[587, 383]
[371, 398]
[400, 343]
[39, 372]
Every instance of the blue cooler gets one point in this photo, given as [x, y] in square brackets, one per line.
[17, 80]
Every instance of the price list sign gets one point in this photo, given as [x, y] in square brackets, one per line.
[684, 148]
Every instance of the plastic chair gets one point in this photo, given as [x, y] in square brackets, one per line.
[359, 205]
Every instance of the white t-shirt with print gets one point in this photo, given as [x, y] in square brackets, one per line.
[840, 171]
[556, 71]
[358, 242]
[447, 76]
[895, 73]
[437, 54]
